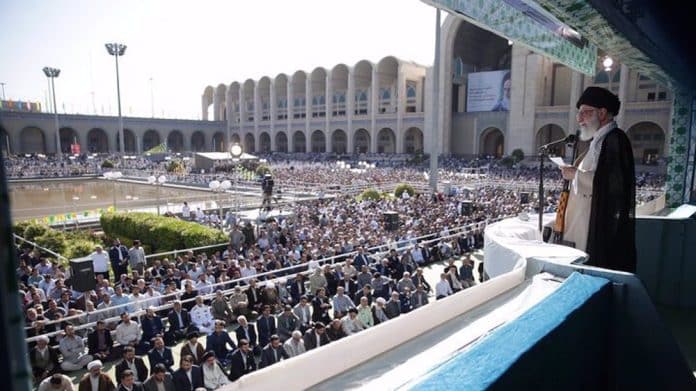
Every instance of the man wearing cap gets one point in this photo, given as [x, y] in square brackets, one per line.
[213, 375]
[601, 207]
[95, 380]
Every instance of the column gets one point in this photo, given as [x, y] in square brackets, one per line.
[374, 92]
[273, 107]
[308, 112]
[350, 112]
[575, 92]
[400, 108]
[329, 110]
[623, 94]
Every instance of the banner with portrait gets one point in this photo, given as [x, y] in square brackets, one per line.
[488, 91]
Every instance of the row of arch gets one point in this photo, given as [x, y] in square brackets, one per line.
[362, 141]
[316, 93]
[34, 140]
[647, 140]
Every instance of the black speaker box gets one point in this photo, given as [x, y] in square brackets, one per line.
[82, 277]
[391, 221]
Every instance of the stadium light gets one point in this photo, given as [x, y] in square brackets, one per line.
[117, 50]
[51, 74]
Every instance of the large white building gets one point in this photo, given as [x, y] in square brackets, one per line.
[386, 107]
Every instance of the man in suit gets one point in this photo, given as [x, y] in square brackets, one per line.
[361, 259]
[130, 362]
[151, 324]
[127, 382]
[188, 377]
[287, 323]
[246, 331]
[242, 360]
[160, 375]
[160, 355]
[273, 352]
[103, 381]
[304, 313]
[218, 341]
[118, 256]
[297, 288]
[316, 336]
[100, 343]
[179, 323]
[193, 348]
[266, 326]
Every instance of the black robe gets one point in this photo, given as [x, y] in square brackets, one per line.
[611, 242]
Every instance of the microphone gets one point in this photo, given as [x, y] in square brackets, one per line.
[570, 139]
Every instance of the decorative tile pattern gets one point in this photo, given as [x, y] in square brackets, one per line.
[538, 34]
[677, 172]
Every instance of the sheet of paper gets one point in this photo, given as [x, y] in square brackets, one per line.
[559, 161]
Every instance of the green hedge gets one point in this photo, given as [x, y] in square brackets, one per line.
[159, 233]
[370, 194]
[74, 244]
[404, 187]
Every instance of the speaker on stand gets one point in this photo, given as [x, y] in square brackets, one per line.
[391, 220]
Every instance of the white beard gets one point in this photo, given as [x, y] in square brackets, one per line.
[589, 129]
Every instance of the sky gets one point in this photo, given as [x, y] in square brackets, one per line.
[177, 48]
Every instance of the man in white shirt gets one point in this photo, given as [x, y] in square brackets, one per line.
[128, 333]
[351, 324]
[202, 317]
[442, 288]
[100, 261]
[186, 211]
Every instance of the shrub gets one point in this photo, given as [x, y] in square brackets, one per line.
[404, 187]
[370, 195]
[507, 161]
[79, 248]
[107, 164]
[34, 230]
[517, 155]
[159, 233]
[262, 170]
[176, 167]
[53, 240]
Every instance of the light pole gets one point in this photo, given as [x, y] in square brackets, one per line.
[3, 90]
[77, 214]
[51, 74]
[236, 151]
[113, 176]
[158, 182]
[117, 50]
[219, 188]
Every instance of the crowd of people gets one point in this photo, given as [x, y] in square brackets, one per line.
[271, 294]
[271, 286]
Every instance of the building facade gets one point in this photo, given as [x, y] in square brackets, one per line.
[384, 107]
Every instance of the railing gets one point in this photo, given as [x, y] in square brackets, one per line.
[17, 237]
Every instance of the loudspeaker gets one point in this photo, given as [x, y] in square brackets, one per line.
[391, 221]
[82, 277]
[524, 198]
[467, 208]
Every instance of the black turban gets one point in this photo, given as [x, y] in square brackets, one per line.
[600, 98]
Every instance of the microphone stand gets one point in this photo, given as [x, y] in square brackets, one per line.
[542, 154]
